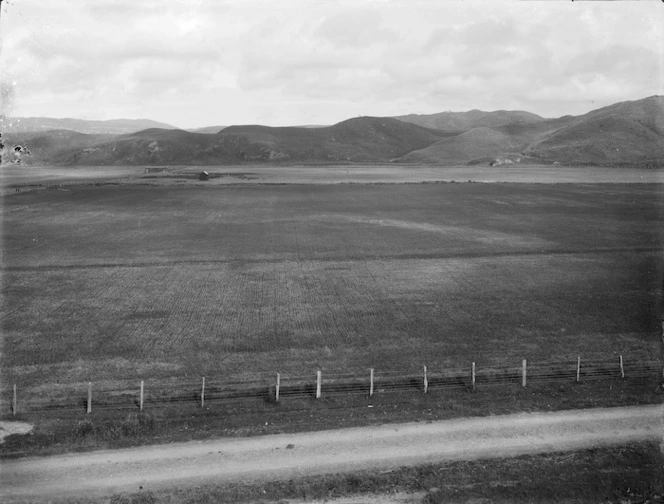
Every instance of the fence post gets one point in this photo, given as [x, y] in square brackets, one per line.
[14, 401]
[140, 400]
[89, 397]
[203, 393]
[318, 384]
[578, 369]
[523, 373]
[371, 382]
[276, 390]
[426, 381]
[622, 369]
[472, 374]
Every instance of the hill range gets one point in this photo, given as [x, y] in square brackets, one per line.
[624, 133]
[110, 127]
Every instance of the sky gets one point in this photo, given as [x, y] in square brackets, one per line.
[194, 63]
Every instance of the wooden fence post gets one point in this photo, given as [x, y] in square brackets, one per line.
[622, 369]
[472, 374]
[578, 369]
[140, 400]
[14, 401]
[318, 384]
[523, 373]
[371, 382]
[203, 393]
[276, 390]
[89, 397]
[426, 381]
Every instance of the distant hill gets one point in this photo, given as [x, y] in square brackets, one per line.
[620, 134]
[623, 133]
[455, 121]
[473, 144]
[113, 126]
[206, 129]
[648, 111]
[50, 147]
[360, 139]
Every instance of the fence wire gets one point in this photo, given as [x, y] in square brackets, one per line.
[218, 389]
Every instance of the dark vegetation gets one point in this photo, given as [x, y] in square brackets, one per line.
[623, 134]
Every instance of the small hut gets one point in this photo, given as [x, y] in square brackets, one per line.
[203, 175]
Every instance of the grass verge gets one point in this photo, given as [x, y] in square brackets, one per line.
[67, 431]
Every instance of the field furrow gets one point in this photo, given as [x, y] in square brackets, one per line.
[241, 282]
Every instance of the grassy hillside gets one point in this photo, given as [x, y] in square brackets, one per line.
[648, 111]
[601, 139]
[49, 147]
[148, 147]
[623, 133]
[360, 139]
[459, 149]
[455, 121]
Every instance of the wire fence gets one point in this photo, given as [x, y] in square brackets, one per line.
[210, 390]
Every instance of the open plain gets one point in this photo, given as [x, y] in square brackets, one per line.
[115, 275]
[108, 280]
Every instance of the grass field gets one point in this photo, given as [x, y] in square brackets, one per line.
[132, 281]
[40, 177]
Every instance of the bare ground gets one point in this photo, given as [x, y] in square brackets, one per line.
[282, 456]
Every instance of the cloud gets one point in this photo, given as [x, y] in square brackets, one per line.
[355, 29]
[195, 62]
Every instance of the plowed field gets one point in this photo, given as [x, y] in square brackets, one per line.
[121, 281]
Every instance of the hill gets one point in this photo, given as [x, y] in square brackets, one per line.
[455, 121]
[613, 139]
[477, 143]
[49, 147]
[206, 129]
[109, 127]
[359, 140]
[648, 111]
[624, 133]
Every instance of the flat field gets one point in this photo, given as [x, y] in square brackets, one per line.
[36, 177]
[129, 281]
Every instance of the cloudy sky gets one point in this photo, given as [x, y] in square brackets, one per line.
[195, 63]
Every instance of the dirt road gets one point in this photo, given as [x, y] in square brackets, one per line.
[293, 455]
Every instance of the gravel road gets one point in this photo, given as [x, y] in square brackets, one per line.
[292, 455]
